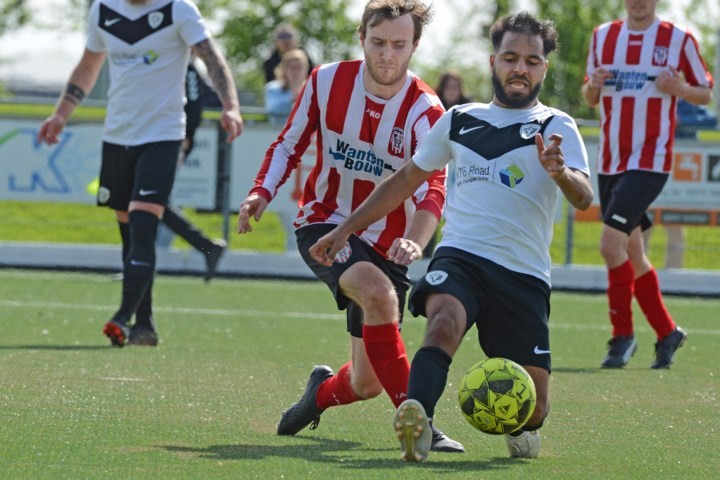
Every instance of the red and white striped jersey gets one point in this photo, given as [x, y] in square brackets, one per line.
[637, 121]
[360, 140]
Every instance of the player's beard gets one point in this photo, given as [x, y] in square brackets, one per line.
[384, 78]
[514, 100]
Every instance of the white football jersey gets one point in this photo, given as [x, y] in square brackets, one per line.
[500, 200]
[148, 49]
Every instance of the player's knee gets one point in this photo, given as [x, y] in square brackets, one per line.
[444, 330]
[380, 301]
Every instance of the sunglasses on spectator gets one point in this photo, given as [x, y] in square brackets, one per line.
[284, 36]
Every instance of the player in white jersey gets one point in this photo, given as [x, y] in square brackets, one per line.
[636, 70]
[368, 118]
[147, 44]
[492, 267]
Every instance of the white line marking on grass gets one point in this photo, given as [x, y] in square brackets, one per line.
[122, 379]
[271, 314]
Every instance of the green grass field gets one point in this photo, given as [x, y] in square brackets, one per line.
[235, 353]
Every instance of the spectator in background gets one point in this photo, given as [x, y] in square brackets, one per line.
[450, 90]
[637, 69]
[286, 38]
[281, 93]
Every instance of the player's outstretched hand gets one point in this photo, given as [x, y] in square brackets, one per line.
[404, 251]
[551, 156]
[50, 129]
[325, 249]
[252, 206]
[232, 122]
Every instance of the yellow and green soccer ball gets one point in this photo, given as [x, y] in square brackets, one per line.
[497, 396]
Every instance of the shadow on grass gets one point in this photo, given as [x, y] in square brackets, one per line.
[329, 451]
[54, 347]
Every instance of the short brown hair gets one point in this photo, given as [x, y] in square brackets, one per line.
[378, 10]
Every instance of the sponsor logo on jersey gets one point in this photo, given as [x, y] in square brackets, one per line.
[358, 160]
[124, 58]
[155, 19]
[397, 140]
[511, 176]
[344, 254]
[436, 277]
[471, 174]
[110, 22]
[660, 56]
[528, 130]
[149, 57]
[627, 80]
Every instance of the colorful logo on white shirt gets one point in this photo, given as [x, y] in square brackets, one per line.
[511, 176]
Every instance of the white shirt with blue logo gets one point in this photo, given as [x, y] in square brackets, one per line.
[500, 200]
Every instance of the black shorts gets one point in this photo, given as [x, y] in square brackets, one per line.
[144, 173]
[510, 309]
[357, 251]
[625, 197]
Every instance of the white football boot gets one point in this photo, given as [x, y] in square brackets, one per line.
[525, 445]
[413, 430]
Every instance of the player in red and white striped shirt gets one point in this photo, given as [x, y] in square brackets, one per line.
[367, 118]
[636, 70]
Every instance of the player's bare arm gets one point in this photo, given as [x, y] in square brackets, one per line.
[574, 184]
[81, 81]
[223, 84]
[591, 89]
[671, 82]
[383, 200]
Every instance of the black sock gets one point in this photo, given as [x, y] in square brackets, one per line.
[139, 266]
[143, 315]
[176, 221]
[428, 376]
[125, 237]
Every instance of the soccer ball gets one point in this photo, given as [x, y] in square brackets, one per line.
[497, 396]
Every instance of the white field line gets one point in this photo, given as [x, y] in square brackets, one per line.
[271, 314]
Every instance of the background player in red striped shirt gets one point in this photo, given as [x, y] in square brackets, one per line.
[637, 68]
[367, 118]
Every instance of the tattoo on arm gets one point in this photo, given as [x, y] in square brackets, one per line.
[74, 94]
[218, 70]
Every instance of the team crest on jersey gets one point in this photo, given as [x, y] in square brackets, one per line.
[344, 254]
[528, 130]
[397, 140]
[436, 277]
[660, 56]
[155, 19]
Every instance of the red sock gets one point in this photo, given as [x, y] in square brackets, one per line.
[620, 295]
[336, 390]
[647, 292]
[386, 351]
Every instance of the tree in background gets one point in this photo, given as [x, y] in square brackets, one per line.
[247, 32]
[13, 14]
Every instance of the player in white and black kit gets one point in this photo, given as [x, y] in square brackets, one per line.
[492, 267]
[147, 44]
